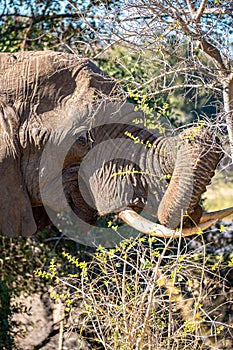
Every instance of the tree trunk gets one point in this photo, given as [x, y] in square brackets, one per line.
[228, 107]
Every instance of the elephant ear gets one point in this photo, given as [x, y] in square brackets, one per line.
[16, 217]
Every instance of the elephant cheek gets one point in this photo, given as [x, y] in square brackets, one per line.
[111, 195]
[79, 200]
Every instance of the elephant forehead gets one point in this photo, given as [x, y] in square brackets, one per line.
[24, 73]
[45, 80]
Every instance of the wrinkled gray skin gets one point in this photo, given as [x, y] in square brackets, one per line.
[65, 103]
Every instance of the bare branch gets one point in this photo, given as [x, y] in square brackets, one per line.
[228, 106]
[165, 74]
[214, 53]
[190, 8]
[184, 86]
[201, 10]
[218, 11]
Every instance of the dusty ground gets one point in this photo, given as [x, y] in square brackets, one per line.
[40, 325]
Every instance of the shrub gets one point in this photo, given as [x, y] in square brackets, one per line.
[146, 294]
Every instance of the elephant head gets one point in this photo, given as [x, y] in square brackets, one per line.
[70, 144]
[133, 170]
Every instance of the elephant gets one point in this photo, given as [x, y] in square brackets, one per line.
[71, 142]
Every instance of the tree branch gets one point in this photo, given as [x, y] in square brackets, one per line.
[35, 20]
[201, 10]
[182, 86]
[218, 11]
[165, 74]
[190, 8]
[213, 52]
[228, 107]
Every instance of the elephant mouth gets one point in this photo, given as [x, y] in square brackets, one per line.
[136, 221]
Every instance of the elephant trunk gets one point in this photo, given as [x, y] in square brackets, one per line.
[198, 154]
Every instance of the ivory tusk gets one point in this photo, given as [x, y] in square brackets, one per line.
[138, 222]
[216, 215]
[198, 229]
[133, 219]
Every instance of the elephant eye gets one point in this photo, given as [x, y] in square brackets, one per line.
[81, 141]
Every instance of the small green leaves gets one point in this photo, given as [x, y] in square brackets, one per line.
[137, 140]
[222, 228]
[50, 274]
[110, 225]
[71, 259]
[230, 262]
[191, 327]
[130, 172]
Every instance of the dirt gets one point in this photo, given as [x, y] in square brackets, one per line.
[40, 325]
